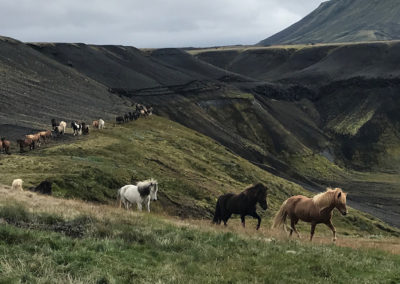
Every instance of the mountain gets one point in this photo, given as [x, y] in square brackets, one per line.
[344, 21]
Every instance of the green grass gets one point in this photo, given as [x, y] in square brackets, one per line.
[143, 248]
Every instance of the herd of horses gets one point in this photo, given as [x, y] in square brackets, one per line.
[58, 129]
[140, 111]
[32, 141]
[315, 210]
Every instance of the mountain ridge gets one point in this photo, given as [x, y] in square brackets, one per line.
[343, 21]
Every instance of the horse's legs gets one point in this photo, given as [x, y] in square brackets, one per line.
[226, 218]
[148, 204]
[243, 221]
[313, 225]
[293, 222]
[139, 206]
[291, 227]
[255, 215]
[330, 225]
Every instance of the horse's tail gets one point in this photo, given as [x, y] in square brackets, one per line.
[280, 217]
[217, 215]
[119, 198]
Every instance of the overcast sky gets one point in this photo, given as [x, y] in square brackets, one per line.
[150, 23]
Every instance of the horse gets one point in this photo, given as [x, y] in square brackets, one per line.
[126, 117]
[54, 123]
[6, 145]
[17, 185]
[24, 143]
[150, 111]
[85, 128]
[34, 137]
[95, 124]
[143, 191]
[63, 126]
[45, 135]
[76, 127]
[101, 124]
[119, 119]
[243, 203]
[315, 210]
[136, 115]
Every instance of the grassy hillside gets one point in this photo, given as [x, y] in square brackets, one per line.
[192, 170]
[44, 239]
[58, 240]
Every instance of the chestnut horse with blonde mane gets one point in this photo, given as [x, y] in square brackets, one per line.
[314, 210]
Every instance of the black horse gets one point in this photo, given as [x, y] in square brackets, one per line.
[54, 123]
[85, 128]
[119, 119]
[243, 203]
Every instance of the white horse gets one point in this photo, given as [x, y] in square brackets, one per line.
[143, 191]
[17, 184]
[60, 129]
[101, 123]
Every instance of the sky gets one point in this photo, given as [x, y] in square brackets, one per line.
[150, 23]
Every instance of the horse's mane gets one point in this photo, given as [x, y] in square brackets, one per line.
[251, 188]
[325, 199]
[146, 183]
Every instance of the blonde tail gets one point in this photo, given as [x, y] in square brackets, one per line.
[280, 217]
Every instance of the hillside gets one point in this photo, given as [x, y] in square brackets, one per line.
[92, 168]
[343, 21]
[35, 89]
[46, 239]
[77, 241]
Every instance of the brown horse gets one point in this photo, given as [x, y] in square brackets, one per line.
[34, 137]
[314, 210]
[95, 124]
[5, 145]
[24, 143]
[243, 203]
[45, 135]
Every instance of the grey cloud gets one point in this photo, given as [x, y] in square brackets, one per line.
[152, 23]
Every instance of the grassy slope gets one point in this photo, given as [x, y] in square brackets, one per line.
[192, 170]
[115, 246]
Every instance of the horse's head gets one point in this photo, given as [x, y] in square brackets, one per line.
[262, 196]
[341, 201]
[153, 190]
